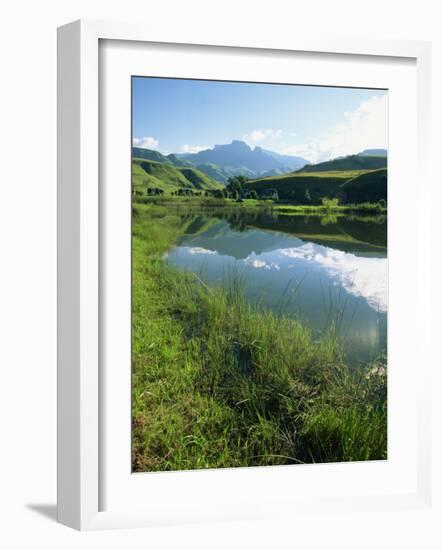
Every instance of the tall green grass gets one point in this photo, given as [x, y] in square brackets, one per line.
[220, 382]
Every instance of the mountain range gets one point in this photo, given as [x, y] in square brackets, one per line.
[239, 155]
[353, 178]
[224, 161]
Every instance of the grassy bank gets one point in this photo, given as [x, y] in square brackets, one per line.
[285, 208]
[343, 209]
[219, 383]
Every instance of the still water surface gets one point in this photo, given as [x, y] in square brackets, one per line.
[325, 271]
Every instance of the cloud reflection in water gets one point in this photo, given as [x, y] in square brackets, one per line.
[360, 276]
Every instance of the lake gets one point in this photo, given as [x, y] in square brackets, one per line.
[330, 272]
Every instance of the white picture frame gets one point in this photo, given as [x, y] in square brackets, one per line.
[80, 272]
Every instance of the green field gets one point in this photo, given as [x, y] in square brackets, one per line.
[218, 382]
[309, 188]
[351, 162]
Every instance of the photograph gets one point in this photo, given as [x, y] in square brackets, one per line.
[259, 274]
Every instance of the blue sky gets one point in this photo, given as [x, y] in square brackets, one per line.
[318, 123]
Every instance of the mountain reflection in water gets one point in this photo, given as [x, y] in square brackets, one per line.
[327, 274]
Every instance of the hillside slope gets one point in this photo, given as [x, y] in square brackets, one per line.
[151, 154]
[352, 162]
[373, 153]
[368, 187]
[223, 173]
[214, 171]
[150, 173]
[148, 154]
[304, 187]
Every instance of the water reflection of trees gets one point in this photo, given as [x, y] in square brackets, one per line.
[366, 229]
[328, 219]
[241, 221]
[370, 229]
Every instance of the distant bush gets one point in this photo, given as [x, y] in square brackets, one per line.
[329, 203]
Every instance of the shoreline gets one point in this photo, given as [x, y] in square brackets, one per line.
[283, 208]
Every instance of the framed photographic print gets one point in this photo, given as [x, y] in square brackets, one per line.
[240, 325]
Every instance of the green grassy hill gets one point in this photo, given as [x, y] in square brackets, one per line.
[222, 173]
[352, 162]
[149, 154]
[368, 187]
[304, 188]
[178, 161]
[214, 171]
[150, 173]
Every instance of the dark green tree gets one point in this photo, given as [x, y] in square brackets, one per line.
[235, 184]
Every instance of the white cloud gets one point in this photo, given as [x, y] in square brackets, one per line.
[147, 142]
[364, 128]
[261, 135]
[193, 148]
